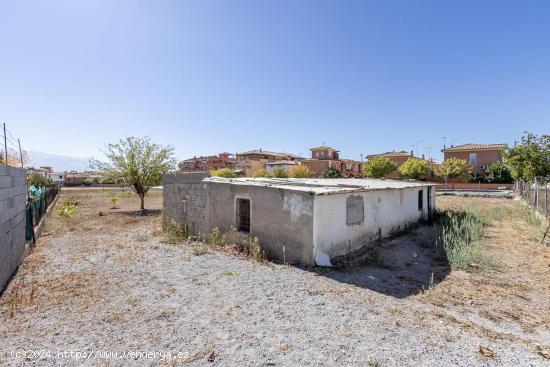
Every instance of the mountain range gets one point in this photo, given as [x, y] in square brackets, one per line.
[57, 162]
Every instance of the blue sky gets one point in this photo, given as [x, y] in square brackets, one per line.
[210, 76]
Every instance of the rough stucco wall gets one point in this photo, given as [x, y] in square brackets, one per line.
[386, 211]
[12, 220]
[184, 201]
[277, 217]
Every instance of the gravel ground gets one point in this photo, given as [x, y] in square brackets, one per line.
[108, 284]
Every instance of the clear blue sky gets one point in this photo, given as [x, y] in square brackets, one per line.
[209, 76]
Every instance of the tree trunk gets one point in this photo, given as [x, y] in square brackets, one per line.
[142, 198]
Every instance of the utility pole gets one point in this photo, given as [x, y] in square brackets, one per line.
[20, 152]
[5, 144]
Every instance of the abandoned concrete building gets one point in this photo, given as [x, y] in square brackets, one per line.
[308, 221]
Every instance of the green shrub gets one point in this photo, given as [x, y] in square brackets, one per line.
[114, 201]
[224, 172]
[331, 173]
[299, 171]
[415, 168]
[378, 167]
[68, 207]
[498, 172]
[175, 233]
[38, 180]
[280, 172]
[261, 173]
[459, 237]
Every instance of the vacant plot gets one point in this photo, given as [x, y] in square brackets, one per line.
[102, 282]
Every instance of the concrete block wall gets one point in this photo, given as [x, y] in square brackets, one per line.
[184, 201]
[12, 220]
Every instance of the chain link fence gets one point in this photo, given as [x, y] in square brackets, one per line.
[536, 194]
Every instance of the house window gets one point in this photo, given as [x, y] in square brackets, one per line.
[473, 159]
[421, 200]
[243, 215]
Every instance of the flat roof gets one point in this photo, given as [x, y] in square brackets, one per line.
[319, 186]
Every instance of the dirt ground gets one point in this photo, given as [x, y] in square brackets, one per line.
[101, 288]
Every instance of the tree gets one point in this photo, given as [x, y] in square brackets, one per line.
[299, 171]
[279, 172]
[531, 158]
[14, 157]
[138, 163]
[415, 168]
[260, 173]
[35, 179]
[498, 172]
[224, 172]
[331, 173]
[378, 167]
[453, 168]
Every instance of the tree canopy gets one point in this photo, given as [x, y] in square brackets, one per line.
[498, 172]
[299, 171]
[331, 173]
[531, 158]
[279, 172]
[452, 168]
[138, 163]
[415, 168]
[378, 167]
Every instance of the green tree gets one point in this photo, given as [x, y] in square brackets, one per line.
[498, 172]
[531, 158]
[331, 173]
[36, 179]
[415, 168]
[279, 172]
[138, 163]
[224, 172]
[299, 171]
[260, 173]
[453, 168]
[378, 167]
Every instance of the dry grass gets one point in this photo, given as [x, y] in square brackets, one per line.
[518, 291]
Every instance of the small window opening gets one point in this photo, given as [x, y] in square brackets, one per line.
[421, 200]
[243, 215]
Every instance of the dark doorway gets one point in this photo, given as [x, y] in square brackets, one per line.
[243, 215]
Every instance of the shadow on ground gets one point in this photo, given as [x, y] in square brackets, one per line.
[401, 267]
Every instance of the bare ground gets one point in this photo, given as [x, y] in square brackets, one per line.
[108, 283]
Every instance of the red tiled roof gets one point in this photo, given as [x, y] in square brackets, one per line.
[470, 146]
[392, 154]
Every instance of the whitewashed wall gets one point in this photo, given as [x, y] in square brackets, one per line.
[386, 211]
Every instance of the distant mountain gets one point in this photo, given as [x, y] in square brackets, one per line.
[57, 162]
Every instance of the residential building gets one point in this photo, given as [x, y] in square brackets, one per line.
[208, 163]
[74, 178]
[58, 178]
[401, 157]
[324, 152]
[478, 156]
[324, 157]
[249, 162]
[44, 171]
[307, 221]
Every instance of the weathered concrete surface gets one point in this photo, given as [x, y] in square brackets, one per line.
[184, 199]
[339, 228]
[12, 220]
[298, 223]
[281, 219]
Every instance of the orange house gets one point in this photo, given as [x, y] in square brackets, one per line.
[478, 156]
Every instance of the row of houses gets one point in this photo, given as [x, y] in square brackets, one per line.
[479, 157]
[66, 178]
[246, 163]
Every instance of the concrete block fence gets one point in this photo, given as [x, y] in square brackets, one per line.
[12, 220]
